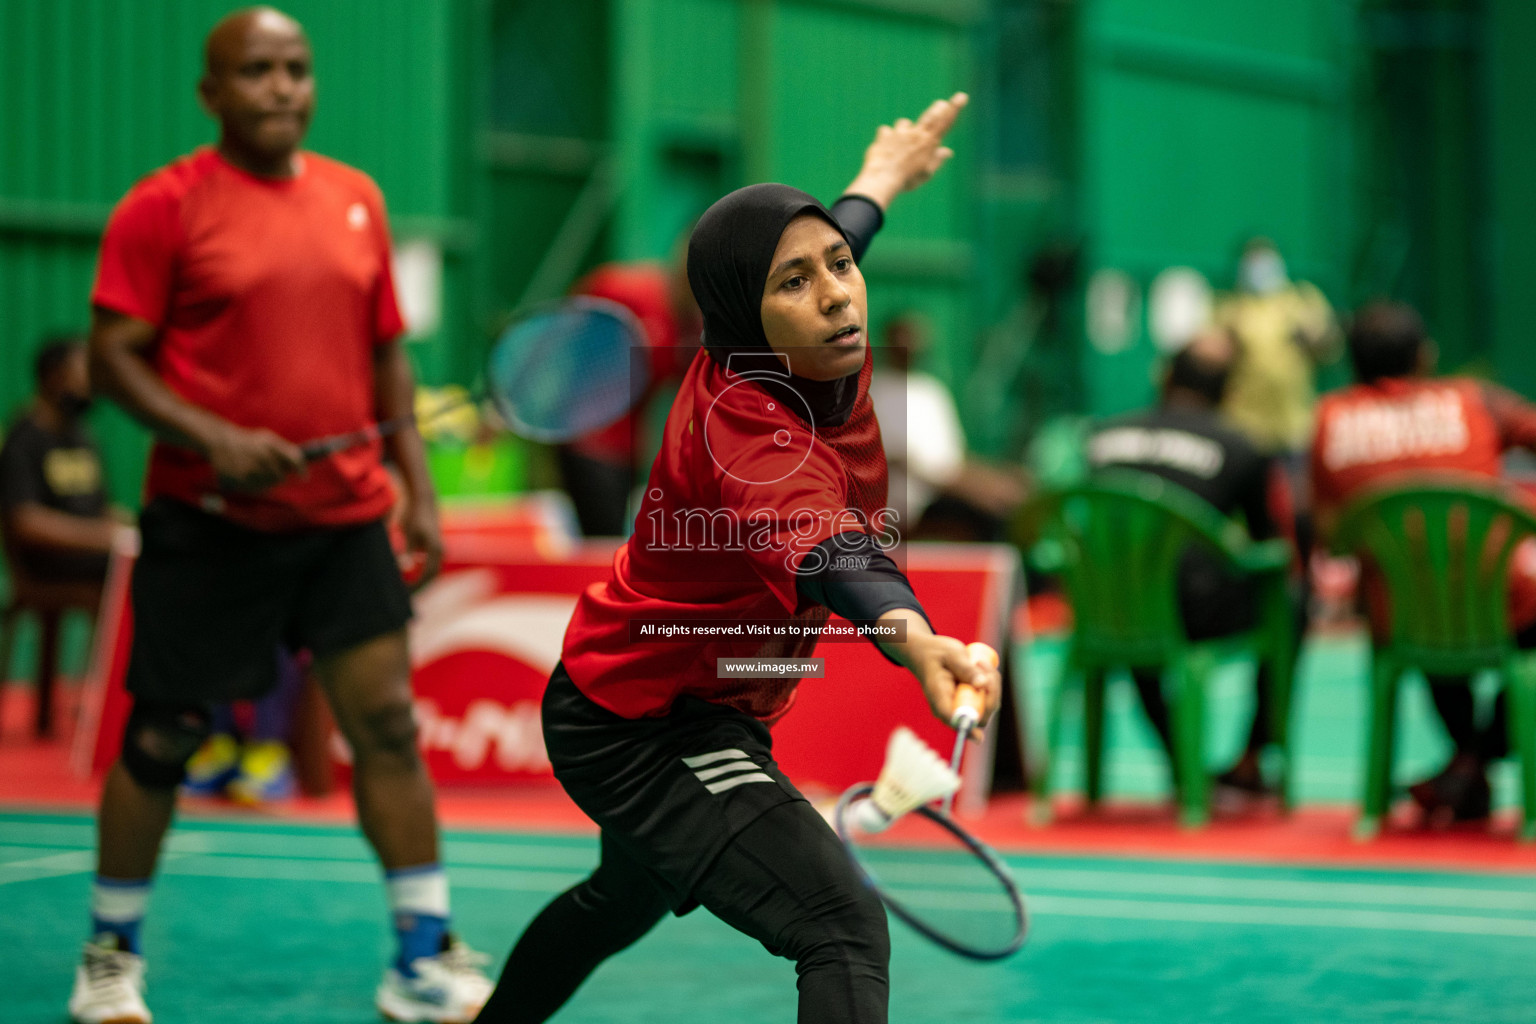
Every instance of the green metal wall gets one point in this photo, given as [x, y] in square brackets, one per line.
[528, 140]
[1423, 140]
[1512, 223]
[531, 140]
[701, 96]
[1202, 122]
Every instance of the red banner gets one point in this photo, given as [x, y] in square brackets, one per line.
[488, 630]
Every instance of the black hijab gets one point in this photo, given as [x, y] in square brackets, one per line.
[729, 255]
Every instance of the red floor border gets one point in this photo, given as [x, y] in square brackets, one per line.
[35, 776]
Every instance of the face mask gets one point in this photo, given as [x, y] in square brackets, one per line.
[1263, 272]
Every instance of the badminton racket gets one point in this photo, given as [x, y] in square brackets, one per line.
[555, 373]
[927, 869]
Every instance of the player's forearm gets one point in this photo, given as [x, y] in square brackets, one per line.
[127, 378]
[34, 525]
[395, 396]
[879, 187]
[914, 631]
[850, 575]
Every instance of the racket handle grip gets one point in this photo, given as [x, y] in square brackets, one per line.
[968, 700]
[967, 708]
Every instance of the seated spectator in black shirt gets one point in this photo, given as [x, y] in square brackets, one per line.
[1184, 440]
[53, 509]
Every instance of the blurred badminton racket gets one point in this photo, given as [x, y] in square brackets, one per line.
[556, 372]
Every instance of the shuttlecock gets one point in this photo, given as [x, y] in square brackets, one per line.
[913, 775]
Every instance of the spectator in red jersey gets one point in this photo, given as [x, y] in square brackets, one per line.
[244, 304]
[598, 470]
[1397, 420]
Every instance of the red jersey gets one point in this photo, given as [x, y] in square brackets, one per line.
[645, 289]
[741, 490]
[270, 296]
[1369, 433]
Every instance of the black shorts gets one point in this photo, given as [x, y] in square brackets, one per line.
[671, 792]
[213, 601]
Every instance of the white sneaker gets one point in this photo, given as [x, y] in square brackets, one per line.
[449, 988]
[109, 984]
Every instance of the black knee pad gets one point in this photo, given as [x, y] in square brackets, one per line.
[160, 739]
[390, 730]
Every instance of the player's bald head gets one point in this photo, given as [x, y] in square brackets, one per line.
[259, 85]
[1203, 366]
[227, 39]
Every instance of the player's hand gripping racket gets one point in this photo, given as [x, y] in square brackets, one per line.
[556, 372]
[927, 869]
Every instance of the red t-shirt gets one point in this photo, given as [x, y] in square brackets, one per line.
[645, 289]
[270, 296]
[1370, 433]
[741, 490]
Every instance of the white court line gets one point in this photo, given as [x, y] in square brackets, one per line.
[1227, 913]
[1297, 917]
[69, 863]
[1047, 906]
[37, 833]
[478, 864]
[1033, 879]
[268, 869]
[317, 846]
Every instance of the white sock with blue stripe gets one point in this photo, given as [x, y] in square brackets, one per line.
[117, 909]
[418, 901]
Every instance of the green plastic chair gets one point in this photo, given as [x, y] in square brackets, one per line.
[1116, 542]
[1443, 549]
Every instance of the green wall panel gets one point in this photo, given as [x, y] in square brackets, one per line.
[1295, 28]
[1200, 123]
[100, 92]
[1185, 175]
[531, 140]
[1513, 225]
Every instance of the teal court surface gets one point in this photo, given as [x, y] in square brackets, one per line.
[278, 922]
[279, 917]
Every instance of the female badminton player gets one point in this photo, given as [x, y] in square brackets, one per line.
[762, 510]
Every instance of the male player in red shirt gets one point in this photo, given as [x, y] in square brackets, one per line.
[243, 305]
[1397, 420]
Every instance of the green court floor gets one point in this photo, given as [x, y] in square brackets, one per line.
[264, 922]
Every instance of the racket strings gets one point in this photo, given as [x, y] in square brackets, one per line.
[565, 372]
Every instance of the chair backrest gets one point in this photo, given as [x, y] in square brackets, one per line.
[1443, 548]
[1117, 542]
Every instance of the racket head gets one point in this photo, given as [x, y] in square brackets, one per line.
[940, 880]
[564, 369]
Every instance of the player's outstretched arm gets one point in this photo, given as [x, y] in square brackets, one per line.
[941, 663]
[906, 154]
[120, 369]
